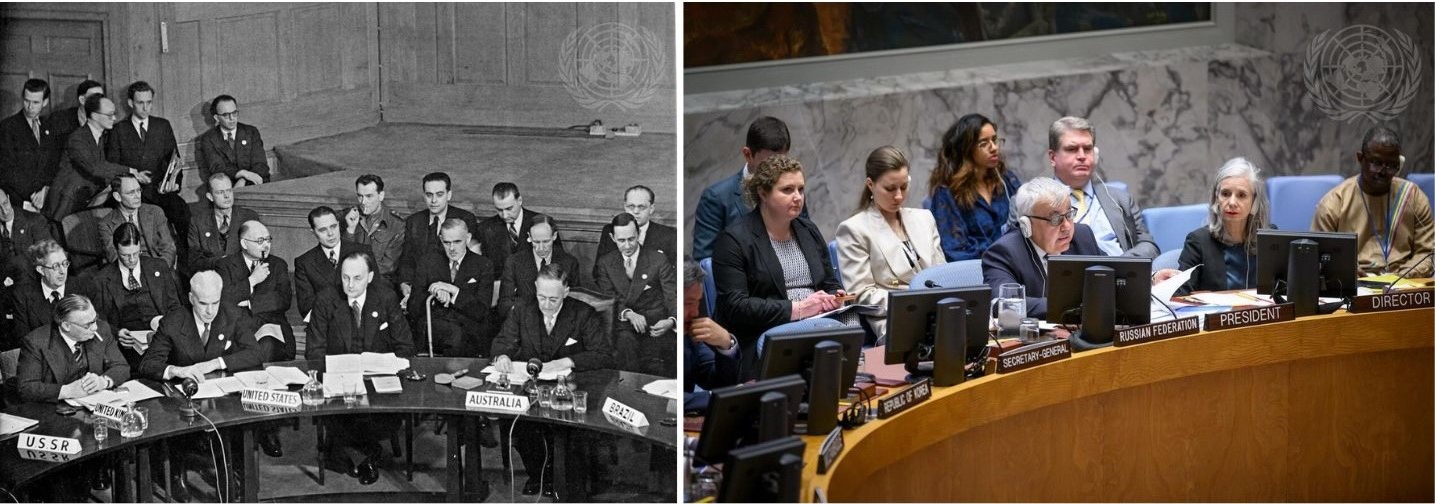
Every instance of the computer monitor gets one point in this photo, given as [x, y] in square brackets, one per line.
[765, 472]
[912, 322]
[1338, 260]
[1066, 279]
[738, 415]
[791, 353]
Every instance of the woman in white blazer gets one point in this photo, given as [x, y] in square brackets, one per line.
[883, 245]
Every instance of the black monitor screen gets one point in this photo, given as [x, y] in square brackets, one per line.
[912, 320]
[791, 353]
[1066, 279]
[734, 414]
[766, 472]
[1338, 260]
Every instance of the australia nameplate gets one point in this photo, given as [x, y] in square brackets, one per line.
[1033, 355]
[1248, 317]
[906, 398]
[1157, 331]
[1398, 300]
[497, 401]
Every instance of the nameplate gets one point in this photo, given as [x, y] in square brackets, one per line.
[51, 444]
[268, 408]
[45, 456]
[496, 401]
[898, 402]
[831, 448]
[281, 398]
[1158, 331]
[624, 413]
[1398, 300]
[108, 412]
[641, 430]
[1033, 355]
[1247, 317]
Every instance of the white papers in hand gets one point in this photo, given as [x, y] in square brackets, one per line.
[1165, 290]
[667, 389]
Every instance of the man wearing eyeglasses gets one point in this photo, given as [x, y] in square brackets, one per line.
[214, 225]
[231, 147]
[72, 355]
[34, 301]
[259, 282]
[19, 229]
[1389, 214]
[155, 238]
[83, 168]
[638, 201]
[1113, 215]
[1044, 225]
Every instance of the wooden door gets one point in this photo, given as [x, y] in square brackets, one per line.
[63, 52]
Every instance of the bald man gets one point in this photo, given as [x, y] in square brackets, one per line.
[260, 282]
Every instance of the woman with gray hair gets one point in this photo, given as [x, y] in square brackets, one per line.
[1226, 246]
[1043, 224]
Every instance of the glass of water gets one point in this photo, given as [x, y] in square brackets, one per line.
[580, 401]
[102, 431]
[545, 396]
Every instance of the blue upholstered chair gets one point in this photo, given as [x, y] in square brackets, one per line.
[954, 274]
[1170, 225]
[1293, 199]
[798, 326]
[709, 285]
[1167, 259]
[1426, 181]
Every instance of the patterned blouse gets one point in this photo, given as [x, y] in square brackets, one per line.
[966, 234]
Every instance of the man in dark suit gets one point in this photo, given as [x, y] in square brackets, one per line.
[214, 225]
[638, 201]
[462, 283]
[421, 230]
[72, 357]
[375, 226]
[710, 353]
[260, 282]
[83, 169]
[1045, 227]
[642, 284]
[19, 230]
[521, 271]
[34, 299]
[360, 316]
[66, 121]
[134, 292]
[155, 237]
[146, 143]
[721, 204]
[504, 233]
[317, 270]
[26, 162]
[563, 333]
[231, 147]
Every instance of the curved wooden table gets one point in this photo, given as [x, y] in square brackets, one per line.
[1324, 408]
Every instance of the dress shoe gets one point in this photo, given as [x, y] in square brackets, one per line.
[341, 465]
[179, 489]
[100, 481]
[368, 474]
[269, 442]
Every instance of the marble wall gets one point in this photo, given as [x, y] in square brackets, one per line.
[1165, 120]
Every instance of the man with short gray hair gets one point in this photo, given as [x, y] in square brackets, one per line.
[73, 356]
[1112, 214]
[1043, 226]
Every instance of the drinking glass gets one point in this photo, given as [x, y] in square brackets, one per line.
[580, 401]
[1030, 330]
[1009, 307]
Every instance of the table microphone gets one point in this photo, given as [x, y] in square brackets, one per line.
[534, 366]
[1408, 269]
[932, 285]
[188, 388]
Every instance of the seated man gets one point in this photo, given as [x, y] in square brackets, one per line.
[134, 292]
[361, 316]
[1112, 214]
[231, 147]
[73, 356]
[522, 268]
[641, 283]
[462, 283]
[1045, 227]
[421, 231]
[83, 171]
[1389, 215]
[564, 334]
[317, 269]
[214, 225]
[710, 354]
[722, 203]
[19, 229]
[34, 301]
[155, 238]
[259, 282]
[638, 201]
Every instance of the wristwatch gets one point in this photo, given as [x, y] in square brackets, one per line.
[731, 342]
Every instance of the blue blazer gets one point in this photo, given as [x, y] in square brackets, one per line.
[706, 368]
[1011, 260]
[720, 205]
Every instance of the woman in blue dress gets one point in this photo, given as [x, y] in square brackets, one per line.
[970, 190]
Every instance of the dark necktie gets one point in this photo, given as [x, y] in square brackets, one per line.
[229, 139]
[54, 297]
[453, 271]
[435, 225]
[35, 127]
[134, 281]
[7, 248]
[545, 264]
[143, 130]
[358, 315]
[204, 336]
[333, 259]
[224, 225]
[80, 360]
[513, 234]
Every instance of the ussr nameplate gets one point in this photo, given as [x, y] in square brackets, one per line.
[1247, 317]
[1398, 300]
[624, 413]
[1158, 331]
[896, 402]
[496, 401]
[1033, 355]
[45, 456]
[831, 448]
[108, 411]
[280, 398]
[48, 444]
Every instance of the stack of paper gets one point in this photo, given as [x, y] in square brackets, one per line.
[365, 363]
[287, 375]
[667, 389]
[10, 424]
[259, 380]
[519, 375]
[387, 385]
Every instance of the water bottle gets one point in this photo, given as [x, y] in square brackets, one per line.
[131, 426]
[562, 395]
[313, 391]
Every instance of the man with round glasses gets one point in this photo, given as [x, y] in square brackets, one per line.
[1044, 225]
[1389, 214]
[231, 147]
[73, 355]
[34, 299]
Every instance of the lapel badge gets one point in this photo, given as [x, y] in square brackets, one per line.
[374, 315]
[206, 234]
[243, 142]
[221, 337]
[156, 274]
[645, 276]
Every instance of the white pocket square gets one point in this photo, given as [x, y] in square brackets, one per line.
[383, 326]
[570, 342]
[473, 280]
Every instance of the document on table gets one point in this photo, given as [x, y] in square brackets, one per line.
[343, 363]
[1238, 299]
[10, 424]
[667, 389]
[261, 380]
[218, 387]
[288, 375]
[89, 401]
[365, 363]
[134, 391]
[519, 375]
[387, 385]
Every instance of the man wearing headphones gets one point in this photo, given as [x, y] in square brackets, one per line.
[1112, 214]
[1044, 227]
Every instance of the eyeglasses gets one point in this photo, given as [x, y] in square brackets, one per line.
[92, 325]
[59, 266]
[1385, 168]
[262, 241]
[1058, 219]
[229, 115]
[991, 142]
[637, 208]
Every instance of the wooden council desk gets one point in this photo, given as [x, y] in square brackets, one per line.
[1324, 408]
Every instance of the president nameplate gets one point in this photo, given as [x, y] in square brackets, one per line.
[624, 413]
[1248, 317]
[1033, 355]
[906, 398]
[496, 401]
[1399, 300]
[1158, 331]
[280, 398]
[48, 444]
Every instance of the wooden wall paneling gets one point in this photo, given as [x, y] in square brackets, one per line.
[445, 25]
[407, 34]
[181, 89]
[318, 35]
[515, 52]
[544, 28]
[479, 40]
[142, 44]
[246, 61]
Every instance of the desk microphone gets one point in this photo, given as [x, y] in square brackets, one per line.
[188, 388]
[1408, 269]
[932, 285]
